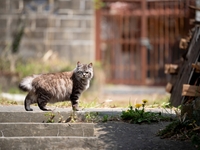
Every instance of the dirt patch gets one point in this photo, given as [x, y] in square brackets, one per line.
[120, 135]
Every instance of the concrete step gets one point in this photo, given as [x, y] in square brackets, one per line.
[32, 116]
[46, 129]
[20, 130]
[48, 143]
[18, 115]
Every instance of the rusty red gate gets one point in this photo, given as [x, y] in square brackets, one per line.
[135, 38]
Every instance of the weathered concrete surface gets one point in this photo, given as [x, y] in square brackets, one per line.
[109, 135]
[21, 130]
[48, 143]
[16, 113]
[31, 116]
[46, 129]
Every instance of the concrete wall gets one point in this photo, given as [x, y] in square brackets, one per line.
[63, 26]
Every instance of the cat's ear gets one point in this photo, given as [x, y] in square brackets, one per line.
[90, 65]
[78, 64]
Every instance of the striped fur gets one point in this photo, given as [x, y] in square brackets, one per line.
[56, 87]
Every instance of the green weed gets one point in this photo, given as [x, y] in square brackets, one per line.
[92, 117]
[50, 117]
[139, 115]
[4, 101]
[182, 129]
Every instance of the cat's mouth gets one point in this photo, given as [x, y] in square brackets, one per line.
[85, 77]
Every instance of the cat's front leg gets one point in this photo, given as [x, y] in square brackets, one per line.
[75, 106]
[74, 100]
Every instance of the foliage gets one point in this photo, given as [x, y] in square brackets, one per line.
[50, 117]
[34, 67]
[29, 68]
[92, 117]
[138, 115]
[60, 104]
[88, 104]
[98, 4]
[97, 117]
[4, 101]
[182, 129]
[17, 36]
[7, 102]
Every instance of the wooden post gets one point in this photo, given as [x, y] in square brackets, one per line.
[197, 16]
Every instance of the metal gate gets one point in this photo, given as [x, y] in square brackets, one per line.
[135, 38]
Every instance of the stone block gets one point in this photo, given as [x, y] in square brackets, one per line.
[83, 12]
[76, 4]
[2, 47]
[89, 5]
[3, 6]
[50, 143]
[70, 23]
[64, 51]
[3, 23]
[64, 4]
[46, 129]
[59, 35]
[14, 23]
[87, 23]
[82, 35]
[52, 21]
[16, 6]
[33, 34]
[82, 52]
[2, 35]
[32, 49]
[42, 22]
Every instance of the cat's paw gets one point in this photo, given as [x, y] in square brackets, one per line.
[75, 107]
[29, 109]
[45, 109]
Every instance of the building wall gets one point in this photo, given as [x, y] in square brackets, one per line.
[63, 26]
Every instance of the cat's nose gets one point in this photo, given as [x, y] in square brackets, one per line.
[84, 74]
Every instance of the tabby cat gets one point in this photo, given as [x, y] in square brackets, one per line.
[57, 87]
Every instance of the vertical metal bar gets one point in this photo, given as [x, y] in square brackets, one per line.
[166, 35]
[143, 36]
[120, 48]
[112, 47]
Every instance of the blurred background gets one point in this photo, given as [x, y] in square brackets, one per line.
[128, 41]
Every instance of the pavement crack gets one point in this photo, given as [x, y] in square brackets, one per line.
[58, 132]
[2, 135]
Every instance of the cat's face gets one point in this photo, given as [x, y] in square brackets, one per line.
[84, 71]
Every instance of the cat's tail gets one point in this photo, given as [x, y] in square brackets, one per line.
[26, 83]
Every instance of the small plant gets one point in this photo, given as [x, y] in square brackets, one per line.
[182, 129]
[138, 115]
[105, 118]
[90, 104]
[50, 117]
[92, 117]
[96, 117]
[98, 4]
[4, 101]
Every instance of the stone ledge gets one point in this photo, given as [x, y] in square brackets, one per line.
[46, 129]
[50, 143]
